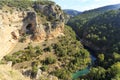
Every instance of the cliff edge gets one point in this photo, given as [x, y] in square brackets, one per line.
[33, 21]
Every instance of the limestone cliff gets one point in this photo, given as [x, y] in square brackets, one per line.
[40, 22]
[8, 73]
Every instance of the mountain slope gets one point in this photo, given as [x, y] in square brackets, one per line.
[77, 21]
[30, 23]
[99, 30]
[71, 12]
[94, 12]
[28, 20]
[100, 10]
[104, 31]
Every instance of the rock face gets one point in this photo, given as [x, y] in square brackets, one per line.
[16, 24]
[8, 73]
[29, 23]
[9, 30]
[54, 25]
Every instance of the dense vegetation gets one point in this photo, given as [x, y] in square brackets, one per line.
[23, 4]
[72, 53]
[67, 55]
[102, 29]
[29, 5]
[78, 21]
[71, 12]
[68, 52]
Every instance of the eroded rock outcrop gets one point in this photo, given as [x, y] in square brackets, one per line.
[55, 22]
[8, 73]
[16, 24]
[9, 30]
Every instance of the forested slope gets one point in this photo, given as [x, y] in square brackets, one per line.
[102, 30]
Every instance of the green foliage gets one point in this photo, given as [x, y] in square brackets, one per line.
[24, 55]
[101, 30]
[62, 74]
[49, 60]
[101, 26]
[116, 56]
[34, 70]
[68, 51]
[21, 4]
[44, 2]
[44, 68]
[101, 57]
[38, 50]
[71, 52]
[97, 74]
[49, 49]
[114, 71]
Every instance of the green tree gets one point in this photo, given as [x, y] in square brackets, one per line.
[50, 60]
[116, 56]
[97, 73]
[114, 71]
[101, 57]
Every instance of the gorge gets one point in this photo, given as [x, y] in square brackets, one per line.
[36, 42]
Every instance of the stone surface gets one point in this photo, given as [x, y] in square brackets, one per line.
[9, 31]
[8, 73]
[17, 24]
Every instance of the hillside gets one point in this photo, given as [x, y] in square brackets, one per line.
[79, 20]
[103, 31]
[54, 58]
[36, 43]
[100, 10]
[71, 12]
[94, 12]
[99, 33]
[96, 19]
[104, 26]
[27, 21]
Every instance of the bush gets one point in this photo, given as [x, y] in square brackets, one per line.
[49, 49]
[34, 71]
[50, 60]
[44, 68]
[62, 74]
[39, 51]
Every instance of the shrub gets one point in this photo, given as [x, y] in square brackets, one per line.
[50, 60]
[44, 68]
[39, 51]
[62, 74]
[34, 71]
[49, 49]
